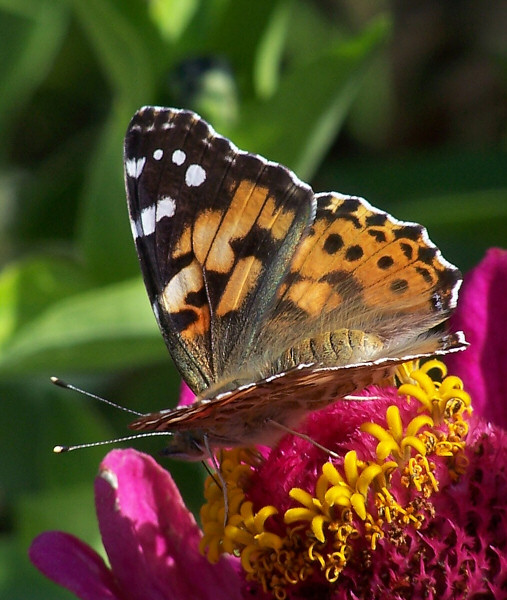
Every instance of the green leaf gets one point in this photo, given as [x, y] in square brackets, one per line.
[172, 16]
[104, 329]
[238, 35]
[460, 230]
[32, 33]
[69, 508]
[104, 235]
[459, 195]
[126, 44]
[270, 50]
[45, 416]
[30, 286]
[300, 121]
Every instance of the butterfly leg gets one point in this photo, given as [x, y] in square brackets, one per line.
[223, 483]
[303, 436]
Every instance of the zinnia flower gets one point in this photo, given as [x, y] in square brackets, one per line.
[409, 502]
[414, 507]
[482, 315]
[151, 541]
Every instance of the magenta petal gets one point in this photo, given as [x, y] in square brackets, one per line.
[68, 561]
[151, 538]
[482, 314]
[187, 396]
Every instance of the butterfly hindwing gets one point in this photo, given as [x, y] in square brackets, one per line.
[358, 268]
[242, 416]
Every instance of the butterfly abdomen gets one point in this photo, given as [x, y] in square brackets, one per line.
[333, 348]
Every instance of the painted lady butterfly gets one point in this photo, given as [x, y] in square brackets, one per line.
[273, 301]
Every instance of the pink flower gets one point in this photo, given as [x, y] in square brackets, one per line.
[151, 540]
[412, 505]
[187, 396]
[482, 315]
[457, 550]
[449, 543]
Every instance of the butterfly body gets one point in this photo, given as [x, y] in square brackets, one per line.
[273, 301]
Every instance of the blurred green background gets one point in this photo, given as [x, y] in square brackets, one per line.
[403, 103]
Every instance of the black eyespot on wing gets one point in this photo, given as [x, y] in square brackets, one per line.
[333, 243]
[353, 253]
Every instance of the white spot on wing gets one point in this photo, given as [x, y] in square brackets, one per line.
[178, 157]
[195, 175]
[135, 229]
[148, 220]
[158, 153]
[165, 207]
[134, 167]
[156, 311]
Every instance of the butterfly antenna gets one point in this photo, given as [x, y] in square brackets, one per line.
[69, 386]
[61, 449]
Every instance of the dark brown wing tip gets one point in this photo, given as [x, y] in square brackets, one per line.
[453, 342]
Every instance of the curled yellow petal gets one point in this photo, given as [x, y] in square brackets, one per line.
[246, 561]
[240, 536]
[298, 514]
[321, 487]
[302, 496]
[456, 393]
[318, 527]
[416, 423]
[212, 528]
[210, 548]
[434, 364]
[451, 382]
[359, 505]
[269, 540]
[338, 494]
[410, 389]
[264, 513]
[415, 443]
[367, 476]
[425, 381]
[331, 473]
[350, 467]
[387, 447]
[376, 430]
[394, 423]
[246, 512]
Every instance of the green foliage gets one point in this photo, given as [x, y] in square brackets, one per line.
[281, 79]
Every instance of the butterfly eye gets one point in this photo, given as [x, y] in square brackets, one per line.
[185, 445]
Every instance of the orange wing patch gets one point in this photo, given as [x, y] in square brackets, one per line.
[358, 254]
[211, 241]
[174, 299]
[243, 279]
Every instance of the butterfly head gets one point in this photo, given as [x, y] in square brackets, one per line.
[186, 445]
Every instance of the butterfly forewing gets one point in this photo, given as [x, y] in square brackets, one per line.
[215, 230]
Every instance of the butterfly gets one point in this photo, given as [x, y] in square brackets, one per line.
[273, 300]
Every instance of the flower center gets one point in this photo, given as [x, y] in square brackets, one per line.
[381, 488]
